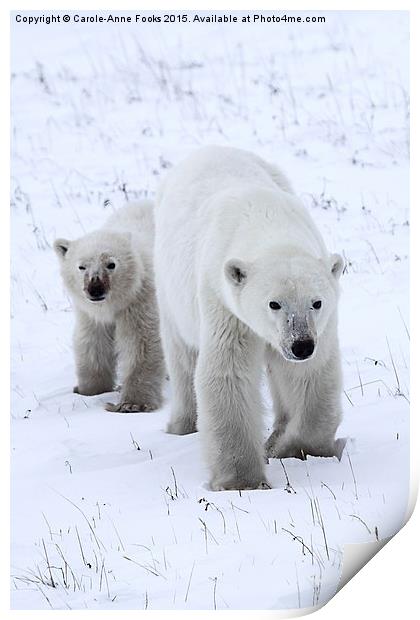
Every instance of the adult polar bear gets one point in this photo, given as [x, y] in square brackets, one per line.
[244, 280]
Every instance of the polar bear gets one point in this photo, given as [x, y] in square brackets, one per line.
[244, 282]
[108, 274]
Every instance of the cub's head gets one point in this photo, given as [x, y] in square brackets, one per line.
[99, 269]
[287, 300]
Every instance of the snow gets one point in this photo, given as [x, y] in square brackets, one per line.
[111, 509]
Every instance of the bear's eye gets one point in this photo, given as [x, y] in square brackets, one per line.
[110, 265]
[82, 268]
[274, 305]
[317, 304]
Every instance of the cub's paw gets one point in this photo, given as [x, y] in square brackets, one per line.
[130, 407]
[239, 485]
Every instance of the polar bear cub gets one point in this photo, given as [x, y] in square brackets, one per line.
[108, 274]
[244, 282]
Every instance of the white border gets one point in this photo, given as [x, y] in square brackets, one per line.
[388, 585]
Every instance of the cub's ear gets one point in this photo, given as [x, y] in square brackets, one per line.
[61, 246]
[337, 265]
[236, 271]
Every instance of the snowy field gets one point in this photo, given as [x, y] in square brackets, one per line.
[108, 511]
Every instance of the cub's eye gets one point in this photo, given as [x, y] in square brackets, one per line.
[82, 268]
[110, 265]
[317, 304]
[274, 305]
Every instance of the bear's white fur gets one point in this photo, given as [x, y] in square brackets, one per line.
[231, 237]
[109, 276]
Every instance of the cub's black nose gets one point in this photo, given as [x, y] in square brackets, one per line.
[303, 349]
[96, 289]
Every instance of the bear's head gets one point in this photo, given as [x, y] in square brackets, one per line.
[288, 299]
[99, 270]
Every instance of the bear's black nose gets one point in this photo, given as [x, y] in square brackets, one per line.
[96, 289]
[303, 349]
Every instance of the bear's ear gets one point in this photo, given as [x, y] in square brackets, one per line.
[236, 271]
[337, 265]
[61, 246]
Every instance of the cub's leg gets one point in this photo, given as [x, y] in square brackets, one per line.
[140, 355]
[230, 407]
[94, 350]
[314, 402]
[181, 362]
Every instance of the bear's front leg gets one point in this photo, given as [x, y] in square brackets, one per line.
[94, 351]
[280, 408]
[227, 386]
[140, 356]
[315, 400]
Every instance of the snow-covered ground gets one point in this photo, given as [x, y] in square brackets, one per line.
[108, 511]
